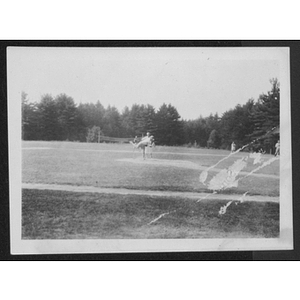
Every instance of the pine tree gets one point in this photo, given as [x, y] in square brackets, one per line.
[48, 118]
[66, 115]
[112, 122]
[126, 130]
[169, 129]
[213, 140]
[149, 117]
[30, 119]
[265, 117]
[236, 125]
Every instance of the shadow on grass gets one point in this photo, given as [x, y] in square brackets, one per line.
[66, 215]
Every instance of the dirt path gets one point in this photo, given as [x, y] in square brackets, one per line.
[122, 191]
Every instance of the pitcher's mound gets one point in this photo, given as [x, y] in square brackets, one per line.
[163, 162]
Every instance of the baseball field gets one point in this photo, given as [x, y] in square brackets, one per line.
[108, 191]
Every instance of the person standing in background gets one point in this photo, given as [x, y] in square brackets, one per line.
[233, 147]
[277, 148]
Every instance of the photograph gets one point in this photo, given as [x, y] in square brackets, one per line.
[149, 149]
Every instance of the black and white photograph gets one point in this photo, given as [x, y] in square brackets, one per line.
[149, 149]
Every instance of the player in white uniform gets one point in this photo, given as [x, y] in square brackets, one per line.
[145, 142]
[233, 147]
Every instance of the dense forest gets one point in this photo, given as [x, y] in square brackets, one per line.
[60, 119]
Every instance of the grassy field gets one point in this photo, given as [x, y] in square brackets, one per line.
[105, 165]
[67, 215]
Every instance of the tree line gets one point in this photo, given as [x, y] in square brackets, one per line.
[59, 118]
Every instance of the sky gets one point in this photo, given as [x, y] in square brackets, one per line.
[197, 81]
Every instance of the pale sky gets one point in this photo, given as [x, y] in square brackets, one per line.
[197, 81]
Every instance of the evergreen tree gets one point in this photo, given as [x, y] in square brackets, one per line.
[140, 120]
[212, 122]
[91, 114]
[213, 140]
[236, 125]
[169, 129]
[66, 115]
[112, 122]
[126, 130]
[48, 118]
[134, 120]
[87, 116]
[149, 119]
[30, 119]
[195, 132]
[265, 117]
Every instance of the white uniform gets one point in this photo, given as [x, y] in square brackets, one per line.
[277, 146]
[145, 141]
[233, 147]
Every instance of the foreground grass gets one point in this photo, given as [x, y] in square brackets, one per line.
[65, 215]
